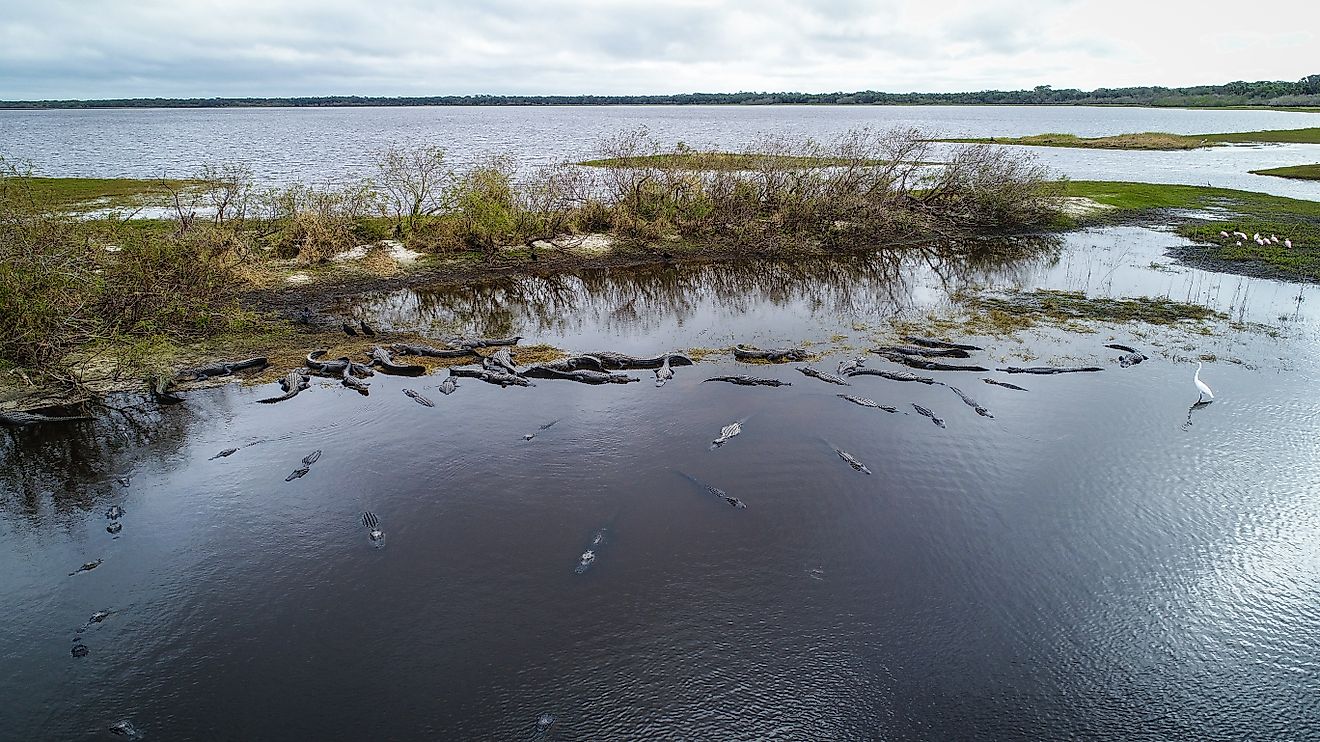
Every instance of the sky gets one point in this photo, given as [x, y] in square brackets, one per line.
[267, 48]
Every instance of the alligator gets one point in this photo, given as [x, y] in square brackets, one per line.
[546, 426]
[924, 411]
[18, 418]
[88, 567]
[160, 388]
[336, 367]
[1043, 370]
[848, 366]
[622, 361]
[852, 460]
[298, 473]
[727, 432]
[125, 728]
[491, 377]
[744, 380]
[916, 350]
[294, 382]
[410, 349]
[417, 397]
[823, 375]
[372, 523]
[582, 375]
[500, 360]
[544, 722]
[485, 342]
[983, 412]
[725, 496]
[221, 368]
[931, 343]
[585, 561]
[79, 649]
[448, 386]
[115, 512]
[773, 355]
[574, 363]
[224, 453]
[312, 457]
[96, 617]
[115, 527]
[923, 363]
[352, 382]
[863, 401]
[382, 360]
[1004, 384]
[894, 375]
[663, 374]
[1131, 356]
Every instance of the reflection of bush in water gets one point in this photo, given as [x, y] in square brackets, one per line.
[643, 297]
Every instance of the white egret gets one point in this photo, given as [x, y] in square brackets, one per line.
[1239, 243]
[1287, 244]
[1223, 234]
[1256, 237]
[1274, 240]
[1201, 385]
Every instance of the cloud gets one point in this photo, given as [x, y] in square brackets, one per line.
[147, 48]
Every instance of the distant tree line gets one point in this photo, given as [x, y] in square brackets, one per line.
[1304, 92]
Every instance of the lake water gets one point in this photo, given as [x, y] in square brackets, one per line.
[1095, 561]
[314, 144]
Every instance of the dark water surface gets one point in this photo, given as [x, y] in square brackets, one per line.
[313, 145]
[1094, 561]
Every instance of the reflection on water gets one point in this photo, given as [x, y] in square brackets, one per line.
[1082, 565]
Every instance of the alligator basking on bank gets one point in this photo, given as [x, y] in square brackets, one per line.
[624, 362]
[772, 355]
[491, 377]
[663, 374]
[917, 350]
[894, 375]
[744, 380]
[1046, 370]
[18, 418]
[865, 402]
[927, 413]
[448, 386]
[337, 366]
[1131, 356]
[823, 375]
[931, 343]
[500, 360]
[983, 412]
[924, 363]
[584, 376]
[380, 358]
[220, 368]
[413, 349]
[161, 389]
[725, 496]
[850, 365]
[294, 382]
[1005, 384]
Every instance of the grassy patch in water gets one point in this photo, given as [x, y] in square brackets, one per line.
[1069, 306]
[1155, 140]
[97, 192]
[717, 161]
[1300, 172]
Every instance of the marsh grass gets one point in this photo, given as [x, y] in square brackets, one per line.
[1300, 172]
[1156, 140]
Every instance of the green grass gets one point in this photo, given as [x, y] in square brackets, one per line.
[1300, 172]
[1155, 140]
[1249, 212]
[722, 161]
[74, 192]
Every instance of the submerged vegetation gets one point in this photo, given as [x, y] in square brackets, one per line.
[1156, 140]
[70, 286]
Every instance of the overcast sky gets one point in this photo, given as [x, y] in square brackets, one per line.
[188, 48]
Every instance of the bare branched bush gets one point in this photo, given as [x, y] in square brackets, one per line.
[227, 190]
[313, 224]
[413, 183]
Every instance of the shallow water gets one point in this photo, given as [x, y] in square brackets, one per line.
[1097, 560]
[314, 144]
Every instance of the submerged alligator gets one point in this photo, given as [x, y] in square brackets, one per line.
[295, 381]
[823, 375]
[1045, 370]
[924, 363]
[18, 418]
[727, 432]
[546, 426]
[663, 374]
[588, 557]
[916, 350]
[773, 355]
[744, 380]
[931, 343]
[221, 368]
[115, 512]
[851, 460]
[381, 359]
[491, 377]
[307, 462]
[926, 412]
[1004, 384]
[87, 567]
[865, 402]
[96, 617]
[417, 397]
[372, 523]
[983, 412]
[894, 375]
[223, 454]
[448, 386]
[1131, 356]
[725, 496]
